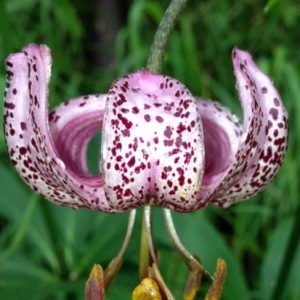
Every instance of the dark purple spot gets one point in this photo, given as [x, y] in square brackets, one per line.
[125, 121]
[127, 193]
[23, 150]
[276, 102]
[126, 132]
[168, 142]
[180, 128]
[9, 105]
[147, 118]
[9, 64]
[159, 119]
[124, 110]
[135, 110]
[274, 113]
[168, 132]
[33, 142]
[131, 162]
[264, 90]
[121, 100]
[164, 175]
[186, 104]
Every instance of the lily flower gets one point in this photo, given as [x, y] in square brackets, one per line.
[160, 145]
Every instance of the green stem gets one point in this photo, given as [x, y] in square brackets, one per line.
[157, 51]
[288, 258]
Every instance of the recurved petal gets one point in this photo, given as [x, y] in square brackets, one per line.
[72, 125]
[264, 140]
[31, 147]
[152, 149]
[222, 132]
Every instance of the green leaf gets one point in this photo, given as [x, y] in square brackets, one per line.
[270, 5]
[273, 261]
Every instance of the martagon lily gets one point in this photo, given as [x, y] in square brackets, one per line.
[161, 146]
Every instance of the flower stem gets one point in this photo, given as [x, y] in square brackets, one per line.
[157, 51]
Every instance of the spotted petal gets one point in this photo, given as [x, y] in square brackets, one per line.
[222, 133]
[152, 143]
[263, 142]
[52, 166]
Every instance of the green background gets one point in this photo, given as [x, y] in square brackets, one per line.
[47, 251]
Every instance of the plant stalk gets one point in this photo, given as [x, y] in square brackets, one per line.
[158, 48]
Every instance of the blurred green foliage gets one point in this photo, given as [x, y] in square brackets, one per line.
[46, 251]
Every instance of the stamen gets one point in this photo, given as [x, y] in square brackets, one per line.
[186, 255]
[195, 267]
[116, 262]
[147, 218]
[146, 244]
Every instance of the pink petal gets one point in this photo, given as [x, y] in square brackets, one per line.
[152, 148]
[222, 133]
[31, 147]
[72, 125]
[152, 143]
[264, 140]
